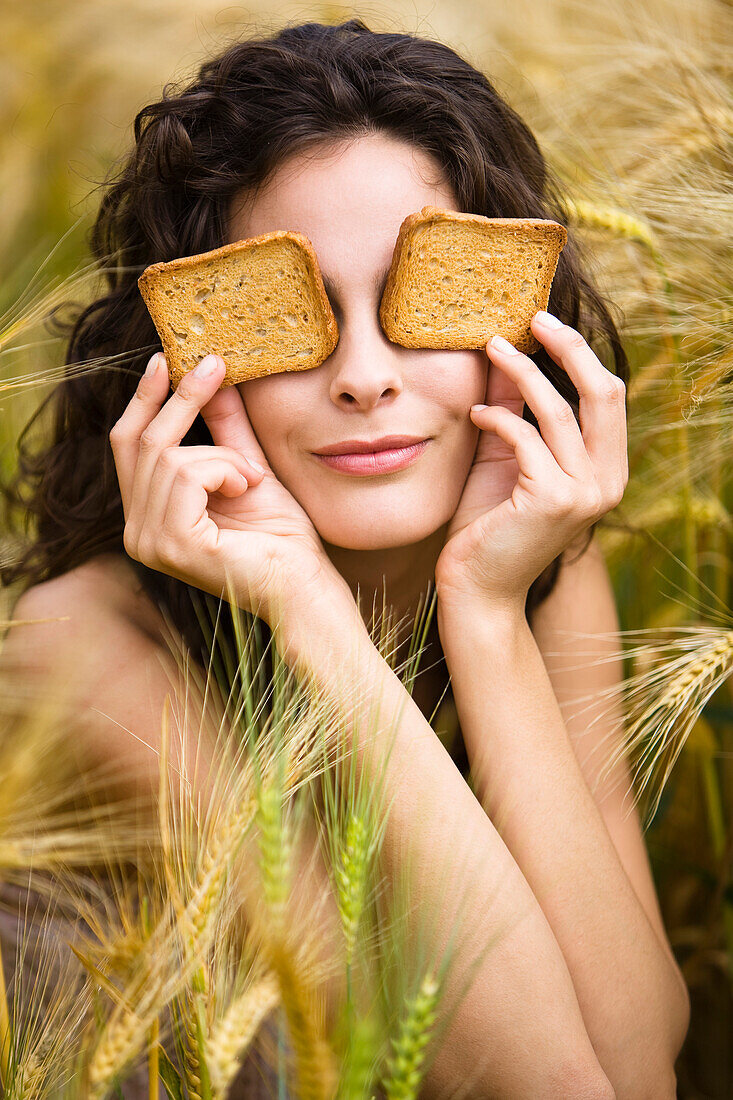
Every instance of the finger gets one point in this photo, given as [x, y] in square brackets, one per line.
[168, 427]
[553, 413]
[184, 522]
[192, 393]
[226, 418]
[503, 390]
[534, 458]
[124, 438]
[167, 469]
[602, 399]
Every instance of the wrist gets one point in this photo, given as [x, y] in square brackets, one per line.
[491, 650]
[466, 607]
[302, 586]
[462, 623]
[315, 626]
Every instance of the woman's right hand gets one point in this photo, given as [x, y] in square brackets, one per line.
[208, 514]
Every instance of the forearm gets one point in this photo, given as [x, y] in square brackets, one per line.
[520, 1014]
[527, 777]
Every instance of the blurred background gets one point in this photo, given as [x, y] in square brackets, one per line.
[631, 103]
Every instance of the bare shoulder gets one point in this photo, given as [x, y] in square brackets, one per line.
[94, 595]
[79, 641]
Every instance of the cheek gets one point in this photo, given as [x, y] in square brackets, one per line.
[455, 381]
[474, 372]
[462, 385]
[272, 410]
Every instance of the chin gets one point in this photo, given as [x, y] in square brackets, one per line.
[367, 529]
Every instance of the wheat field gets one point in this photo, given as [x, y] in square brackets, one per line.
[631, 102]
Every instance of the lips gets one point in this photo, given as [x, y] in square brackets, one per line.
[373, 463]
[371, 446]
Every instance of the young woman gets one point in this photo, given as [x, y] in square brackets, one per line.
[501, 466]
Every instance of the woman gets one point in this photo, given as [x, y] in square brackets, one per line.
[340, 133]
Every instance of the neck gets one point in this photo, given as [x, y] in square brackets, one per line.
[396, 577]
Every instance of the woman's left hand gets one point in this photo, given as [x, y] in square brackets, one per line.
[528, 495]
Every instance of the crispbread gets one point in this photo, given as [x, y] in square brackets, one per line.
[260, 303]
[458, 279]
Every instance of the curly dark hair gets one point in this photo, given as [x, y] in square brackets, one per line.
[248, 109]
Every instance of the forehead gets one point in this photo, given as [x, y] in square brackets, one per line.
[349, 199]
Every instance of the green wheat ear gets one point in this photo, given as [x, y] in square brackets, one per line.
[350, 877]
[405, 1064]
[274, 843]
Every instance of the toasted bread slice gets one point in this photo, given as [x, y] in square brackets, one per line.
[260, 303]
[458, 279]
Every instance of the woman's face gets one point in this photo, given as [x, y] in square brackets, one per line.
[350, 201]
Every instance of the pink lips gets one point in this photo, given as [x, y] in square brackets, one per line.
[372, 463]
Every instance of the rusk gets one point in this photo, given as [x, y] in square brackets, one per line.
[458, 279]
[260, 303]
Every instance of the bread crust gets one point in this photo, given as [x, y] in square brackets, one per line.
[529, 241]
[157, 285]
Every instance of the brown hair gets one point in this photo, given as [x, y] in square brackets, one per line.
[248, 109]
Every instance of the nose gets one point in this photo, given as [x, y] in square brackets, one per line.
[364, 367]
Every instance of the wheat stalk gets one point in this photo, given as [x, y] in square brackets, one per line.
[236, 1029]
[5, 1033]
[405, 1064]
[153, 1059]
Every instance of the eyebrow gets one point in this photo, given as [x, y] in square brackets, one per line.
[333, 287]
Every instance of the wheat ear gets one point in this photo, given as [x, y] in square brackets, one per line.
[197, 917]
[611, 219]
[195, 1026]
[236, 1030]
[357, 1077]
[314, 1060]
[405, 1065]
[666, 720]
[123, 1036]
[707, 511]
[275, 845]
[350, 877]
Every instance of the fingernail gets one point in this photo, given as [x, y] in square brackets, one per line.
[501, 344]
[478, 408]
[206, 367]
[153, 365]
[255, 465]
[547, 319]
